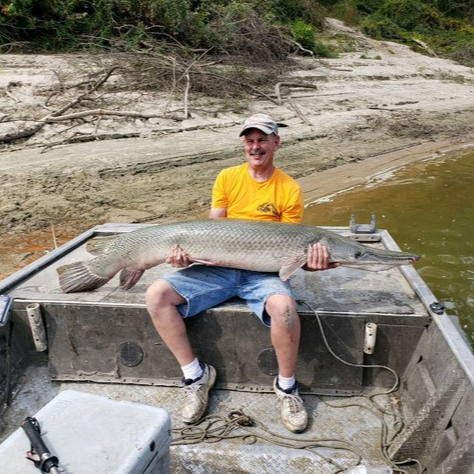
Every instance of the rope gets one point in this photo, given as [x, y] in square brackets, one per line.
[239, 426]
[397, 381]
[379, 411]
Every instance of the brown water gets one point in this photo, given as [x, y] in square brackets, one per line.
[428, 208]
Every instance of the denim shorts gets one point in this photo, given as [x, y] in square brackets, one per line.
[206, 286]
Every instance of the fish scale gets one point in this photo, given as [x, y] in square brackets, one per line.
[251, 244]
[236, 243]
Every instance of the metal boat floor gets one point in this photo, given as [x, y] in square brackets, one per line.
[342, 432]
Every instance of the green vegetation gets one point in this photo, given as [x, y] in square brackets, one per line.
[217, 26]
[443, 26]
[247, 30]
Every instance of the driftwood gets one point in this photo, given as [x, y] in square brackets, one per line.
[279, 85]
[173, 72]
[60, 116]
[102, 112]
[301, 48]
[28, 132]
[251, 89]
[424, 46]
[298, 112]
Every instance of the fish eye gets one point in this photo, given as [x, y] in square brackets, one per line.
[358, 254]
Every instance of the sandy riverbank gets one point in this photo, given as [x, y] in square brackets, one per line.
[374, 109]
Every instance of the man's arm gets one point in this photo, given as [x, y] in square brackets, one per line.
[218, 212]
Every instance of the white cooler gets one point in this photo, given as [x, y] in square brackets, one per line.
[91, 434]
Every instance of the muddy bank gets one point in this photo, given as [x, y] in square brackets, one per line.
[375, 108]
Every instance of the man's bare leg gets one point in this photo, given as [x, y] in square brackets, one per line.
[162, 301]
[285, 333]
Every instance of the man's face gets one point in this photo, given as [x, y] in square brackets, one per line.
[260, 148]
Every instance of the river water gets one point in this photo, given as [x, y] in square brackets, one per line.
[428, 208]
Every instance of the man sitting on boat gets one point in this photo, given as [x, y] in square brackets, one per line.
[256, 190]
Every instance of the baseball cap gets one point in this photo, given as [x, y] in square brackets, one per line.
[262, 122]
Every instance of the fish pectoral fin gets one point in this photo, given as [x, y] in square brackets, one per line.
[100, 245]
[289, 269]
[129, 277]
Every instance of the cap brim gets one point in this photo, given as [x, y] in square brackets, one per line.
[262, 128]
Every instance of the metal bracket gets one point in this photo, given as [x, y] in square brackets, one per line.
[363, 228]
[437, 307]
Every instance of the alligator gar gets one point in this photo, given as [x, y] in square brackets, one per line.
[243, 244]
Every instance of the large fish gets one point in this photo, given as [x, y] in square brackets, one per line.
[245, 244]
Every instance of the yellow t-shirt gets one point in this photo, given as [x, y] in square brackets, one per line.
[278, 199]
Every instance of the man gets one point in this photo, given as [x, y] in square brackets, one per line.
[254, 190]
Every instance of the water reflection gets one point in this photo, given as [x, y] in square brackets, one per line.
[428, 207]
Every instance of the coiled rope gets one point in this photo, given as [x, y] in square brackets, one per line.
[239, 426]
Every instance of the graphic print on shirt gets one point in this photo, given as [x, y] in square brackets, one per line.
[268, 208]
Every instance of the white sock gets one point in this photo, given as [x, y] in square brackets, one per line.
[193, 370]
[286, 382]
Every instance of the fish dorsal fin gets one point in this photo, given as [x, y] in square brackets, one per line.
[289, 269]
[100, 245]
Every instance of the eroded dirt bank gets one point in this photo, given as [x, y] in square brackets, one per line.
[376, 108]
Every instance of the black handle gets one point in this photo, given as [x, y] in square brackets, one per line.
[46, 461]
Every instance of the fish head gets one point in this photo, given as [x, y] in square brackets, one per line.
[348, 252]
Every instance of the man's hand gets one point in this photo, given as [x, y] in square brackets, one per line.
[318, 259]
[178, 258]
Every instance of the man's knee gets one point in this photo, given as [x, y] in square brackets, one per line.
[159, 295]
[282, 310]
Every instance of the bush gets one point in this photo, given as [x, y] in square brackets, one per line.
[223, 26]
[411, 14]
[380, 27]
[443, 25]
[464, 53]
[308, 11]
[305, 35]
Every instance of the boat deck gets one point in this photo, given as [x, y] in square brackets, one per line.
[102, 342]
[342, 432]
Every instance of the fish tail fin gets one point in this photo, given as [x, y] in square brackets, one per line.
[129, 278]
[78, 277]
[100, 245]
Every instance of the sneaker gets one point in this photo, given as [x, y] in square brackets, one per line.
[293, 412]
[196, 395]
